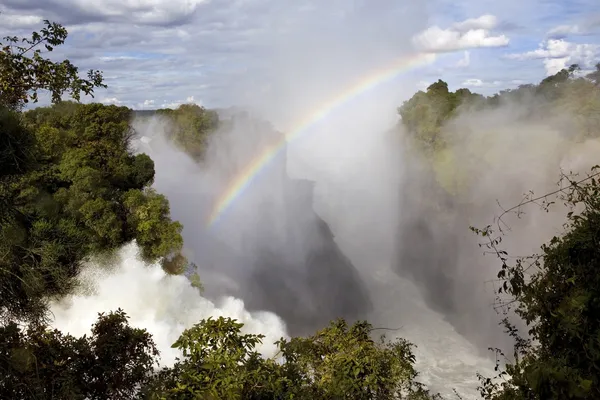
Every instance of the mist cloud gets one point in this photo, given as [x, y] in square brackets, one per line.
[164, 305]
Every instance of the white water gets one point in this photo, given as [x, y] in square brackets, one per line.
[166, 305]
[445, 359]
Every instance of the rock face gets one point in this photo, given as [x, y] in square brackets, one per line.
[427, 242]
[437, 252]
[300, 274]
[319, 285]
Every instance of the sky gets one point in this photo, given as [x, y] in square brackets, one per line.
[219, 53]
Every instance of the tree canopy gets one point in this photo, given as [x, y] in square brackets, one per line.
[338, 362]
[114, 362]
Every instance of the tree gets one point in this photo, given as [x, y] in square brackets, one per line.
[79, 191]
[338, 362]
[425, 113]
[23, 73]
[190, 128]
[115, 361]
[557, 293]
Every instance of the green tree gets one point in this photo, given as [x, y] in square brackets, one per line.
[79, 191]
[557, 294]
[24, 71]
[191, 126]
[425, 113]
[338, 362]
[114, 362]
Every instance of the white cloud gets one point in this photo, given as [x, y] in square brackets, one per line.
[564, 30]
[559, 53]
[171, 104]
[469, 34]
[118, 58]
[111, 100]
[474, 82]
[245, 51]
[225, 51]
[17, 21]
[486, 22]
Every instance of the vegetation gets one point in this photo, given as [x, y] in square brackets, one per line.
[71, 188]
[557, 294]
[24, 71]
[338, 362]
[429, 116]
[425, 113]
[113, 363]
[191, 126]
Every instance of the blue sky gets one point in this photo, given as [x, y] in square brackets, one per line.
[157, 53]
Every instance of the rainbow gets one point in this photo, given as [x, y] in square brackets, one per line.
[246, 175]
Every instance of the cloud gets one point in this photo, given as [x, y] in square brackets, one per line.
[233, 52]
[18, 21]
[559, 53]
[111, 100]
[167, 104]
[222, 51]
[148, 12]
[562, 31]
[486, 22]
[474, 82]
[468, 34]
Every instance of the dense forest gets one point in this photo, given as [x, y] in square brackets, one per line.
[71, 188]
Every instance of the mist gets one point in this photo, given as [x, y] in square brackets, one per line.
[163, 304]
[495, 160]
[349, 220]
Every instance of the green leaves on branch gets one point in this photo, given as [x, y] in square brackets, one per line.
[338, 362]
[114, 362]
[557, 294]
[156, 234]
[24, 71]
[73, 189]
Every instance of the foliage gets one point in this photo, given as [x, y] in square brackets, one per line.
[23, 73]
[426, 112]
[428, 118]
[72, 188]
[338, 362]
[557, 293]
[115, 362]
[190, 127]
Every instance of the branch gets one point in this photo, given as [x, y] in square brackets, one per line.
[572, 184]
